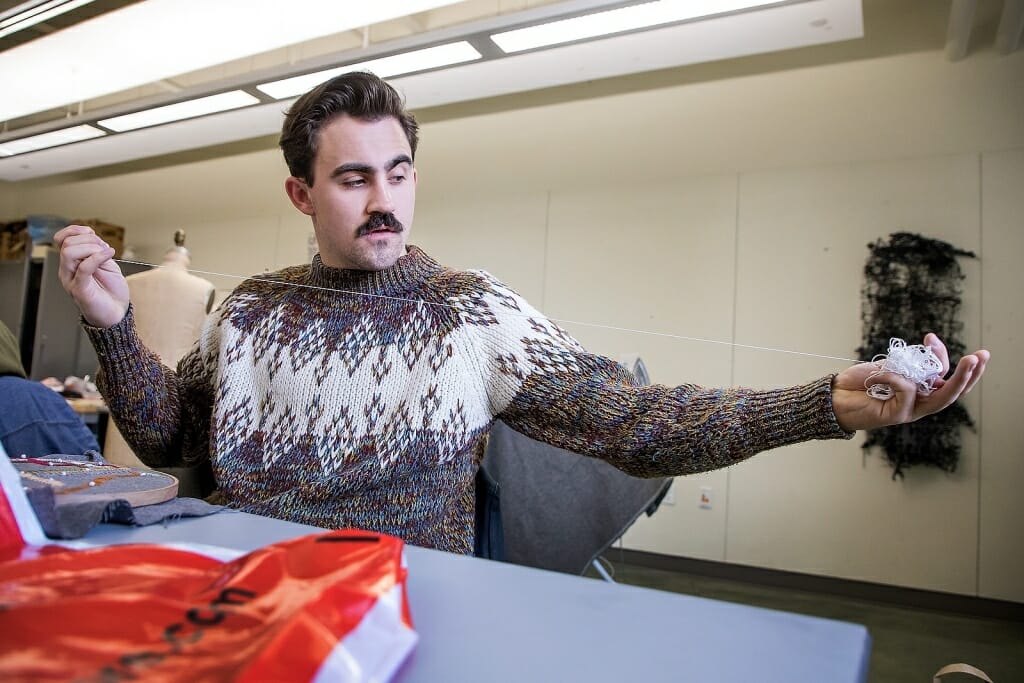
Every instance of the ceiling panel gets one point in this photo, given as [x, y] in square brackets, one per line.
[785, 26]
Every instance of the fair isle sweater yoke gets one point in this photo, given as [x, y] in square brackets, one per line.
[358, 399]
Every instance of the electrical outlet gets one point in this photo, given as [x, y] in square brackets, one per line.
[704, 502]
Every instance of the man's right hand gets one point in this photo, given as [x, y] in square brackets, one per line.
[91, 276]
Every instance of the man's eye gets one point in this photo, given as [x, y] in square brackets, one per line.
[398, 178]
[354, 182]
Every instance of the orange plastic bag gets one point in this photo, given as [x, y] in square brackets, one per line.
[326, 607]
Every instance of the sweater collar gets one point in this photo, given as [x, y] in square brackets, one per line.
[408, 273]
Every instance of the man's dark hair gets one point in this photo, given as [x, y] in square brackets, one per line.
[358, 94]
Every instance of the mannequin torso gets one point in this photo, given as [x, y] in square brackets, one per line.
[170, 306]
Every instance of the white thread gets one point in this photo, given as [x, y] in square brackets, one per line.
[460, 308]
[917, 363]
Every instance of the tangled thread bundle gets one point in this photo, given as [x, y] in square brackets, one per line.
[918, 363]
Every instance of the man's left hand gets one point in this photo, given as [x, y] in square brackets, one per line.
[855, 410]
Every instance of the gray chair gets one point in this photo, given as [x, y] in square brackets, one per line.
[558, 510]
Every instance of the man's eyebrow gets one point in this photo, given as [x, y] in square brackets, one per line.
[355, 166]
[398, 161]
[360, 167]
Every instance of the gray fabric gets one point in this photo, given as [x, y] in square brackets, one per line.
[560, 510]
[167, 511]
[73, 520]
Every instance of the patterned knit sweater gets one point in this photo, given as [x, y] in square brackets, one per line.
[359, 399]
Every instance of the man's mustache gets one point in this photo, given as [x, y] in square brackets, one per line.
[378, 221]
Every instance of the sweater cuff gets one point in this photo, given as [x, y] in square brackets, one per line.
[116, 342]
[802, 413]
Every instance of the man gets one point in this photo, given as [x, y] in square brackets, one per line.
[355, 391]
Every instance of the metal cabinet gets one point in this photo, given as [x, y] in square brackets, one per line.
[45, 319]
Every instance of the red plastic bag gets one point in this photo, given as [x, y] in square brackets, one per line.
[326, 607]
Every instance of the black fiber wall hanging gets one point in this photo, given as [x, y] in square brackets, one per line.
[912, 286]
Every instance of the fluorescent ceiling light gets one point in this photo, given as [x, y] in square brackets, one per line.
[617, 21]
[31, 13]
[407, 62]
[781, 27]
[158, 39]
[182, 110]
[51, 139]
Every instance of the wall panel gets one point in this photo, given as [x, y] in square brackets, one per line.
[1001, 543]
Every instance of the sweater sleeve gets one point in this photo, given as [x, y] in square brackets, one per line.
[545, 385]
[163, 415]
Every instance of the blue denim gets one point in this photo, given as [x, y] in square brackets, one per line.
[37, 421]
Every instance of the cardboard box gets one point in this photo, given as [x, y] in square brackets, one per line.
[13, 241]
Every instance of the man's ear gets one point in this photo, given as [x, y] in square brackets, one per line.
[298, 193]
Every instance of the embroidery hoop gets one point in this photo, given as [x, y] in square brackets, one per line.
[76, 481]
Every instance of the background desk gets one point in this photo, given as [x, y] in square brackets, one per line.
[487, 621]
[95, 415]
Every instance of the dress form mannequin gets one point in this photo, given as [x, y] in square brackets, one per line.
[169, 305]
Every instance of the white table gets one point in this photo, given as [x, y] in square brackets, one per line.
[487, 621]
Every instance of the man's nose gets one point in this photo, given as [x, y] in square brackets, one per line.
[381, 200]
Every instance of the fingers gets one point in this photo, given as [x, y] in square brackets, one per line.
[932, 341]
[76, 247]
[88, 266]
[982, 357]
[900, 407]
[91, 276]
[951, 389]
[70, 231]
[979, 369]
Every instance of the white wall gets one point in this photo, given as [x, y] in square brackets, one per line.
[863, 524]
[1001, 507]
[234, 211]
[736, 210]
[7, 201]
